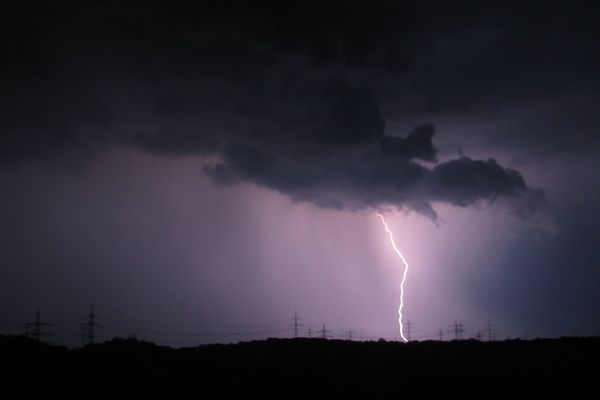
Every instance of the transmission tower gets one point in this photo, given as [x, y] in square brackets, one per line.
[324, 333]
[458, 329]
[38, 325]
[296, 323]
[90, 326]
[491, 334]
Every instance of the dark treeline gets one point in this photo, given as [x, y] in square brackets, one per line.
[307, 367]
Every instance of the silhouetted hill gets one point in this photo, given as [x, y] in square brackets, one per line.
[309, 367]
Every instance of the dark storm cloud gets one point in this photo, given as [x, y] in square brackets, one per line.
[417, 144]
[370, 180]
[294, 96]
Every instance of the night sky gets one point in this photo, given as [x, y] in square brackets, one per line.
[200, 170]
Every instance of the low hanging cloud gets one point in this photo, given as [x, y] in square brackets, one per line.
[373, 178]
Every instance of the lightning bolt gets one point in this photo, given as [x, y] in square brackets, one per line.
[403, 275]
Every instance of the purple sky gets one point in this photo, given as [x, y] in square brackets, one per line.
[211, 170]
[154, 245]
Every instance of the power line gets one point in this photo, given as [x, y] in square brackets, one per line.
[210, 327]
[36, 328]
[190, 333]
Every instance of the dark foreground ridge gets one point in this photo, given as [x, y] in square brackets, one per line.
[308, 367]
